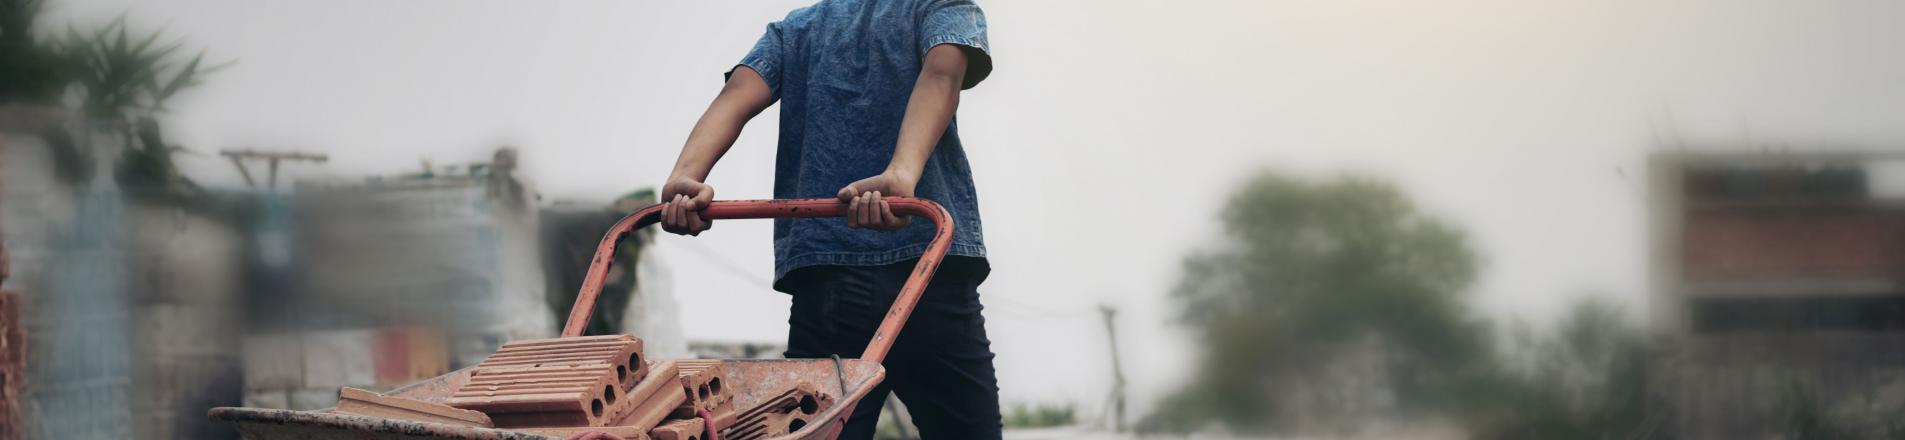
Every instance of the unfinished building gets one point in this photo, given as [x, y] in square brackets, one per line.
[1777, 287]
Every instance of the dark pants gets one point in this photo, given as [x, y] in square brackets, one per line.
[941, 364]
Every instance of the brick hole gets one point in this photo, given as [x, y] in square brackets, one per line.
[595, 407]
[808, 406]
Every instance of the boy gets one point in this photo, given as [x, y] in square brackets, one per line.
[867, 90]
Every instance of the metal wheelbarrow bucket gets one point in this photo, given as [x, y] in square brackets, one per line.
[752, 381]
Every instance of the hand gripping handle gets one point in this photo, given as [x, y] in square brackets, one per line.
[787, 208]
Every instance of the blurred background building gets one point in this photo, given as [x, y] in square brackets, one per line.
[148, 304]
[1778, 284]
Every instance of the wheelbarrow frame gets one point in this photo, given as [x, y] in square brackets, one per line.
[855, 378]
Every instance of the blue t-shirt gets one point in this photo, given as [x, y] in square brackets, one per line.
[843, 71]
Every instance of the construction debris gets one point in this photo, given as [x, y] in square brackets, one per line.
[781, 415]
[362, 402]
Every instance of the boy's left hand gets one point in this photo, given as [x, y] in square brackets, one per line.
[866, 206]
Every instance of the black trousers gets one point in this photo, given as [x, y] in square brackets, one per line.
[941, 364]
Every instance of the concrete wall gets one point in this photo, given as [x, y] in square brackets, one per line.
[131, 307]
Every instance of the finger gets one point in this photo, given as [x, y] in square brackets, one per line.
[846, 193]
[892, 221]
[696, 224]
[853, 212]
[873, 210]
[703, 197]
[668, 215]
[866, 210]
[681, 214]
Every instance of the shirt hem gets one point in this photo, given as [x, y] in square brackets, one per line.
[909, 252]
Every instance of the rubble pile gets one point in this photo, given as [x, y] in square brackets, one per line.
[565, 387]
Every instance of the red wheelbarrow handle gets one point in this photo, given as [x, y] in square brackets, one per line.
[787, 208]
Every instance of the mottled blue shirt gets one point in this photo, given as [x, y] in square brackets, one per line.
[843, 71]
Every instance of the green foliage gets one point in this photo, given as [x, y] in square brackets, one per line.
[1805, 415]
[1313, 272]
[1040, 416]
[1584, 380]
[122, 80]
[1329, 291]
[31, 71]
[122, 77]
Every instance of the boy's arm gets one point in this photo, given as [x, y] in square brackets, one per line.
[685, 194]
[935, 98]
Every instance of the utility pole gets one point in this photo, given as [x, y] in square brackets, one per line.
[1115, 402]
[238, 158]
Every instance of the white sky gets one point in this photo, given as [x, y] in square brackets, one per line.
[1106, 138]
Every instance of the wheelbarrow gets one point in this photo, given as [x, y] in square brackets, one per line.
[753, 381]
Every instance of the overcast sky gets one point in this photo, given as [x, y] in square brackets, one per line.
[1105, 139]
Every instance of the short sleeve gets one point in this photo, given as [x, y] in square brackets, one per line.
[958, 22]
[765, 58]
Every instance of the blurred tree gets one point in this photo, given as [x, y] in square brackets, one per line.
[123, 83]
[123, 78]
[1043, 415]
[31, 70]
[1326, 300]
[1585, 380]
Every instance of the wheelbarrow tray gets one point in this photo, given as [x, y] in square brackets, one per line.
[753, 381]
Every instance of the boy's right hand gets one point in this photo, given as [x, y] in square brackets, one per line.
[683, 201]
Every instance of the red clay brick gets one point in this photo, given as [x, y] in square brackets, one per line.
[362, 402]
[705, 382]
[623, 352]
[776, 416]
[542, 396]
[679, 429]
[653, 411]
[625, 432]
[661, 378]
